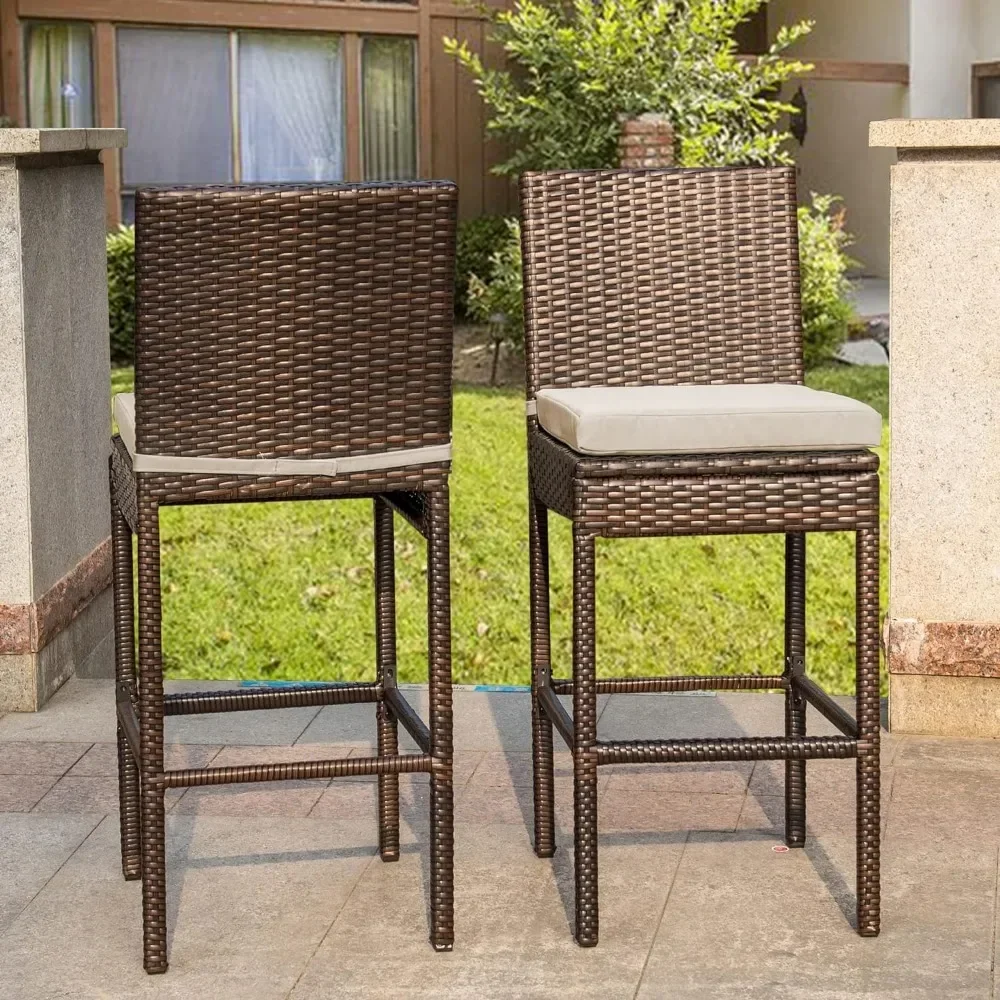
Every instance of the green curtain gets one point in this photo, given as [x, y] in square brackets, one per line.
[59, 76]
[389, 113]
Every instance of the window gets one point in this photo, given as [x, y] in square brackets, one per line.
[60, 76]
[389, 117]
[174, 101]
[242, 106]
[290, 95]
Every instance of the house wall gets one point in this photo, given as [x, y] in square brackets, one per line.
[451, 116]
[942, 51]
[835, 157]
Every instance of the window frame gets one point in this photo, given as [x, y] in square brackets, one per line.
[982, 71]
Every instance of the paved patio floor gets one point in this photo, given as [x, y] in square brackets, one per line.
[276, 891]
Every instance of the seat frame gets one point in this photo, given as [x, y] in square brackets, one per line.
[679, 277]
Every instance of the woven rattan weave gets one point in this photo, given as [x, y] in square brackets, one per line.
[293, 323]
[669, 277]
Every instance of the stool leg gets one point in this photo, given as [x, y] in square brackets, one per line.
[795, 702]
[128, 770]
[868, 716]
[442, 791]
[541, 675]
[385, 647]
[153, 832]
[585, 739]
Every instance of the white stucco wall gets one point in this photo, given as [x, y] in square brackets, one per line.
[943, 47]
[835, 156]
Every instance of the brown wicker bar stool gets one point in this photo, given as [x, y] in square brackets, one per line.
[665, 397]
[292, 343]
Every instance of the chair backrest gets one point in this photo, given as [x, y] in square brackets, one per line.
[294, 321]
[661, 277]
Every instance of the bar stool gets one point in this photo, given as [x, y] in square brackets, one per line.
[664, 397]
[292, 343]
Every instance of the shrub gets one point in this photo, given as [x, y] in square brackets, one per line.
[577, 67]
[827, 313]
[121, 294]
[497, 300]
[477, 241]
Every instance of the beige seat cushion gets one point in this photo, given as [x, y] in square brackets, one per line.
[683, 419]
[124, 411]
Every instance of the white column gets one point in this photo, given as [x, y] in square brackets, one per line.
[55, 610]
[943, 627]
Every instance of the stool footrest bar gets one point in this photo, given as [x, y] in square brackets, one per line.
[344, 767]
[743, 748]
[411, 722]
[644, 685]
[561, 719]
[825, 705]
[258, 698]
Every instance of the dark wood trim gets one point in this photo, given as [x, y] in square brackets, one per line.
[981, 71]
[342, 16]
[28, 628]
[352, 107]
[849, 71]
[106, 107]
[425, 111]
[12, 75]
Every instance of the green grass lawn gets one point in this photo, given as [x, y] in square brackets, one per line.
[284, 590]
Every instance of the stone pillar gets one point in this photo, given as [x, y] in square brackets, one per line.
[55, 607]
[646, 142]
[943, 626]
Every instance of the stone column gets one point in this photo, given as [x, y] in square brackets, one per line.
[646, 142]
[943, 625]
[55, 607]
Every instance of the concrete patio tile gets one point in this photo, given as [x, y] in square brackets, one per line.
[512, 925]
[506, 805]
[270, 798]
[249, 900]
[702, 714]
[945, 804]
[624, 807]
[102, 759]
[948, 754]
[743, 921]
[356, 801]
[39, 758]
[81, 711]
[90, 794]
[21, 792]
[239, 756]
[831, 799]
[724, 778]
[515, 768]
[272, 726]
[482, 721]
[347, 725]
[823, 777]
[32, 849]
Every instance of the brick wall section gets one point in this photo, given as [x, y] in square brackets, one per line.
[646, 143]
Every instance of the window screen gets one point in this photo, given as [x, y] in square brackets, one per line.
[174, 100]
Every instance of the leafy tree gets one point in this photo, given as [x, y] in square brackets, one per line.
[577, 68]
